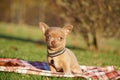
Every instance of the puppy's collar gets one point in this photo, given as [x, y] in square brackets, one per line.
[57, 53]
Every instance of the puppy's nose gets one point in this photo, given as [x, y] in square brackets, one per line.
[53, 42]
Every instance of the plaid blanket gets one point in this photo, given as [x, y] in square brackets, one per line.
[41, 68]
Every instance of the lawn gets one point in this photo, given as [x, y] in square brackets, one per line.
[27, 42]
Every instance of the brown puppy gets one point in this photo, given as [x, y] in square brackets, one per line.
[59, 57]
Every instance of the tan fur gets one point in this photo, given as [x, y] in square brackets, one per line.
[56, 40]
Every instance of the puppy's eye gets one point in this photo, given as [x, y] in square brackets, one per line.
[48, 37]
[60, 38]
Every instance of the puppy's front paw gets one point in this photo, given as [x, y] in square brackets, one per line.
[52, 69]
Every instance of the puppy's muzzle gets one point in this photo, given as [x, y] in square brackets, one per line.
[52, 44]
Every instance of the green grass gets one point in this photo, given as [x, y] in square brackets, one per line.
[27, 42]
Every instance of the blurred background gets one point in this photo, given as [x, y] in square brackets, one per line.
[95, 39]
[94, 20]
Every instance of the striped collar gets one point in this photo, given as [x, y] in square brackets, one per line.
[57, 53]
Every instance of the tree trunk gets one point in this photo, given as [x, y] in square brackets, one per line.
[94, 41]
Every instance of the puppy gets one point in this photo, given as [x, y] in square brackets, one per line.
[59, 58]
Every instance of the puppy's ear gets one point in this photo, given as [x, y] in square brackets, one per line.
[68, 28]
[43, 26]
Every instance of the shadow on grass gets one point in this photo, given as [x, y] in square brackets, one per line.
[36, 42]
[76, 48]
[21, 39]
